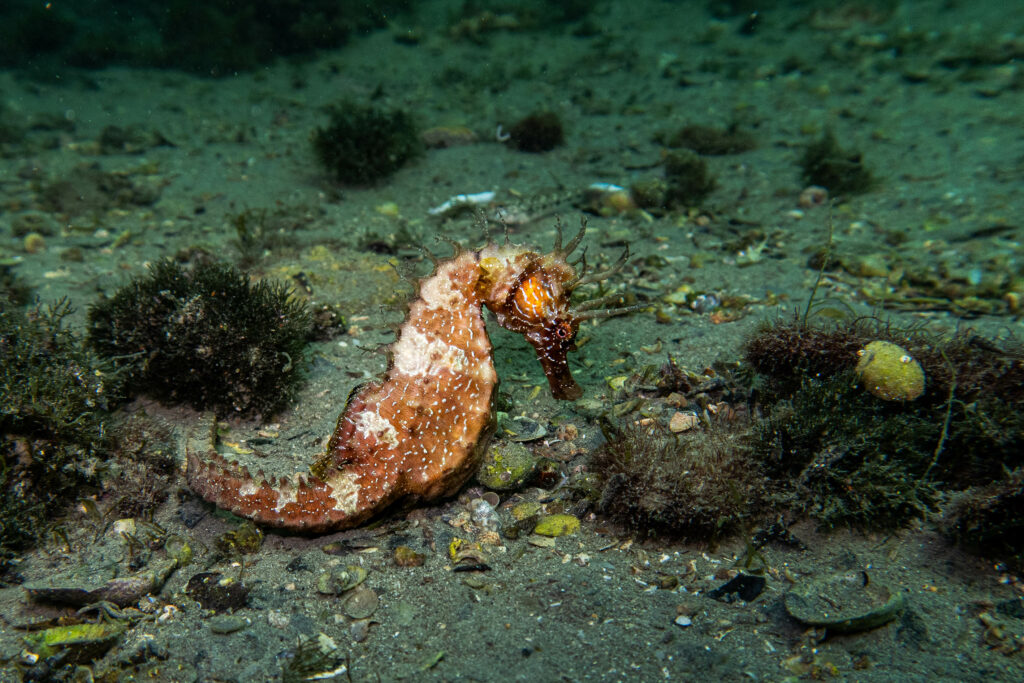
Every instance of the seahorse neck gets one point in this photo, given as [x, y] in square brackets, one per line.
[421, 431]
[445, 326]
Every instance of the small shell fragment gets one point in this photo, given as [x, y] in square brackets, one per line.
[843, 603]
[522, 428]
[360, 603]
[336, 581]
[462, 201]
[682, 422]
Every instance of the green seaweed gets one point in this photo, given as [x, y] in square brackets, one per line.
[702, 485]
[845, 457]
[687, 178]
[540, 131]
[363, 144]
[54, 397]
[13, 289]
[205, 336]
[214, 38]
[711, 140]
[989, 520]
[827, 164]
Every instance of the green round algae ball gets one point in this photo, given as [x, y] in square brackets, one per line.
[889, 372]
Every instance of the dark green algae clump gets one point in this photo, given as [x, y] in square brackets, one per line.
[54, 394]
[701, 486]
[808, 439]
[363, 144]
[205, 336]
[854, 459]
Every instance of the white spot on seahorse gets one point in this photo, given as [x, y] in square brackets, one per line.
[286, 493]
[344, 491]
[417, 354]
[371, 423]
[439, 291]
[248, 488]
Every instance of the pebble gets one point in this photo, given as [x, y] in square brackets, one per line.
[682, 421]
[525, 510]
[359, 630]
[278, 619]
[557, 525]
[524, 429]
[889, 372]
[361, 603]
[483, 514]
[541, 541]
[227, 623]
[507, 466]
[403, 613]
[34, 243]
[336, 580]
[407, 557]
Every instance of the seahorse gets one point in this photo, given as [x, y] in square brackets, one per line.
[418, 434]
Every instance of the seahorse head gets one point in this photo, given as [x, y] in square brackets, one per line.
[530, 293]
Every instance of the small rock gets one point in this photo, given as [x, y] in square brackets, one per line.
[889, 372]
[403, 613]
[541, 541]
[483, 514]
[34, 243]
[278, 619]
[872, 265]
[746, 587]
[336, 580]
[192, 511]
[215, 591]
[506, 466]
[682, 421]
[227, 623]
[557, 525]
[245, 540]
[667, 582]
[525, 510]
[335, 548]
[407, 557]
[359, 630]
[524, 429]
[360, 603]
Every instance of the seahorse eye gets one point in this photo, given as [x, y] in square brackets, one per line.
[563, 330]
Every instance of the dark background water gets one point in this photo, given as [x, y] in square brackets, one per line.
[220, 37]
[215, 37]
